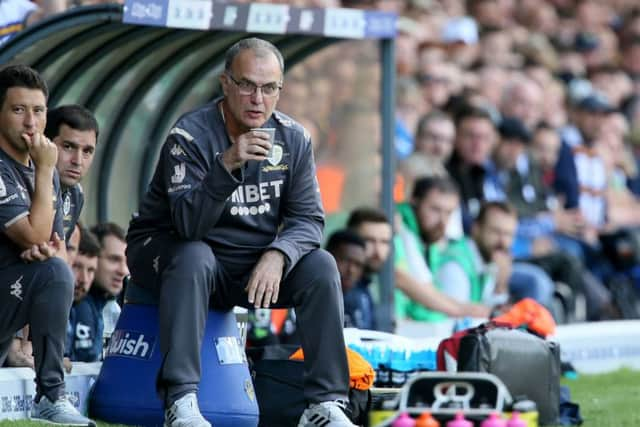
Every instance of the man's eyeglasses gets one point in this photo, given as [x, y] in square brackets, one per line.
[246, 87]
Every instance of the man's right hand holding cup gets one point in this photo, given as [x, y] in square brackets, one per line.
[253, 145]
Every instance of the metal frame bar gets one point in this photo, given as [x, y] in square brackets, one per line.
[387, 111]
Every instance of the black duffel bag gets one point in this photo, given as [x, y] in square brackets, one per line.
[527, 364]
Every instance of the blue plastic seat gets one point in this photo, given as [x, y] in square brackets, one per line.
[125, 391]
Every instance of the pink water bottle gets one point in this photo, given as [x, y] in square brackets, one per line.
[459, 421]
[516, 421]
[404, 420]
[494, 420]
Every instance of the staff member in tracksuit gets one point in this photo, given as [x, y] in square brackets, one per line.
[74, 130]
[223, 223]
[40, 291]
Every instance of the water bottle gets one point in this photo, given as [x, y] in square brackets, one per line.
[413, 364]
[427, 420]
[381, 366]
[516, 421]
[527, 411]
[397, 366]
[462, 323]
[459, 421]
[404, 420]
[494, 420]
[425, 360]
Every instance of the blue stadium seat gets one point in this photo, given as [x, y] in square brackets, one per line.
[124, 392]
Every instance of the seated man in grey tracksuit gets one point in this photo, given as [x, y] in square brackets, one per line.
[234, 218]
[37, 284]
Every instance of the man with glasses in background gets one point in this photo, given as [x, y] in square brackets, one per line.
[435, 135]
[233, 217]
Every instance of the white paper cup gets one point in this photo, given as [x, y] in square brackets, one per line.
[272, 136]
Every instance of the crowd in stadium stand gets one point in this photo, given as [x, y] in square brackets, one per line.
[518, 144]
[532, 103]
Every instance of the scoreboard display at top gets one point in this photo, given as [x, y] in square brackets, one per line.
[261, 18]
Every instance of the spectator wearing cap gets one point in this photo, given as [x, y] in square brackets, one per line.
[589, 115]
[460, 36]
[585, 119]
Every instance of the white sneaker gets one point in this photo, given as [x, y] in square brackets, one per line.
[185, 413]
[325, 414]
[60, 412]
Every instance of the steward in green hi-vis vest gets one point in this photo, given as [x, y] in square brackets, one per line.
[437, 255]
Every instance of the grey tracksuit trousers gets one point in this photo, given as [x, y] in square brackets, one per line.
[190, 279]
[39, 294]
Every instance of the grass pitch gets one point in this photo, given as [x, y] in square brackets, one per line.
[609, 400]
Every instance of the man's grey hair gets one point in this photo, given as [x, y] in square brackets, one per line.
[258, 46]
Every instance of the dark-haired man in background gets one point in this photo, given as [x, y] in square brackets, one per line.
[84, 342]
[350, 254]
[74, 130]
